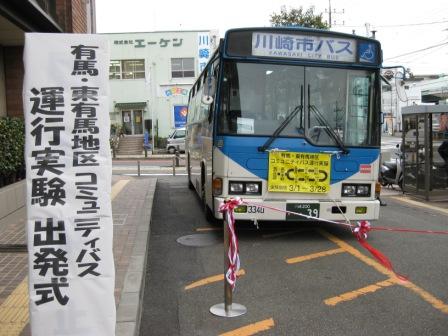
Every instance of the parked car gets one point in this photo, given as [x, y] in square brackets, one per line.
[176, 140]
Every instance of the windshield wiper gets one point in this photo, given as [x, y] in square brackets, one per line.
[285, 122]
[330, 131]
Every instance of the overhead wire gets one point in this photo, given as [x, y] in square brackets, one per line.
[411, 24]
[395, 25]
[414, 57]
[417, 51]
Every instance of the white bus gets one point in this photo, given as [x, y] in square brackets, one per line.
[288, 118]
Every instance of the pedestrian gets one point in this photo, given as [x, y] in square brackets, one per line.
[443, 151]
[443, 148]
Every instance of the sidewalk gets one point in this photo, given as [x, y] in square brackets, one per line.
[132, 200]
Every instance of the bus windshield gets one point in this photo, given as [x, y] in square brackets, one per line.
[326, 103]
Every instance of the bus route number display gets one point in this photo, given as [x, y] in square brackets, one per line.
[299, 172]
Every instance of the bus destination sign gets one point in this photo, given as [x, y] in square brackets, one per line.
[310, 47]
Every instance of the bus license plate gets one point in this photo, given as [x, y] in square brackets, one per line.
[250, 209]
[308, 209]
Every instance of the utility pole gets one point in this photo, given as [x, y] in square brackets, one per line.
[330, 12]
[367, 25]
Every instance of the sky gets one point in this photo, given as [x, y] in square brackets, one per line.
[413, 34]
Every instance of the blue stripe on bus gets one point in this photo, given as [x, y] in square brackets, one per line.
[244, 151]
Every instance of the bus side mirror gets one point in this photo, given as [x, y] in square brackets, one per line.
[208, 92]
[382, 118]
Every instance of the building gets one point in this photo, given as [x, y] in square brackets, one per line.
[21, 16]
[151, 75]
[418, 89]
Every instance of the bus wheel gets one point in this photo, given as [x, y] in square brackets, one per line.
[190, 185]
[208, 213]
[209, 216]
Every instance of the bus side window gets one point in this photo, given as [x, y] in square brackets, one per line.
[191, 106]
[209, 89]
[195, 107]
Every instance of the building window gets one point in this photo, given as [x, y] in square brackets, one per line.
[127, 69]
[182, 67]
[115, 70]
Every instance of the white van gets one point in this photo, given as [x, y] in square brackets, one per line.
[176, 140]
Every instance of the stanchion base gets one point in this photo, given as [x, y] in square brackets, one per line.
[235, 310]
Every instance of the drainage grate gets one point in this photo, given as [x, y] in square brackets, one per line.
[200, 240]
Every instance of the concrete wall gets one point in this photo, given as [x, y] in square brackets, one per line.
[12, 198]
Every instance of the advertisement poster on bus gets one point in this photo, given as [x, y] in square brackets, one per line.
[299, 172]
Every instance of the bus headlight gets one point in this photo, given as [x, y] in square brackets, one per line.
[348, 190]
[236, 187]
[355, 190]
[252, 188]
[244, 188]
[363, 190]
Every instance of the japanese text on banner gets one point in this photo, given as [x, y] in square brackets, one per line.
[71, 269]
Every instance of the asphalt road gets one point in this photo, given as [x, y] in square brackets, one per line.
[334, 289]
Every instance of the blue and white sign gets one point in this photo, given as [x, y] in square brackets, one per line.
[180, 115]
[304, 47]
[367, 52]
[204, 50]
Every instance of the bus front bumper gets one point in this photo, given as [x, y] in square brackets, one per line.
[276, 210]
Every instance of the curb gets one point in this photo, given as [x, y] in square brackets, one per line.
[130, 307]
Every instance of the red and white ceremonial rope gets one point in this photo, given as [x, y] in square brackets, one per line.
[234, 259]
[360, 232]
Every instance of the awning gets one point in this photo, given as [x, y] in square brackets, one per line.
[435, 95]
[31, 16]
[131, 106]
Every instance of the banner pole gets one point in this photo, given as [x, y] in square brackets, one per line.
[228, 294]
[228, 308]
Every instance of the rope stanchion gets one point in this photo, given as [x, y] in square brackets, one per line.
[231, 263]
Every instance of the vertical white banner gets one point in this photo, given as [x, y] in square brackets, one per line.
[69, 170]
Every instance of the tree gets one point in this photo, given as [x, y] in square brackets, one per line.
[298, 17]
[12, 144]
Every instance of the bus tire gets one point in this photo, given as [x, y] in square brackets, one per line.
[209, 216]
[190, 185]
[208, 213]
